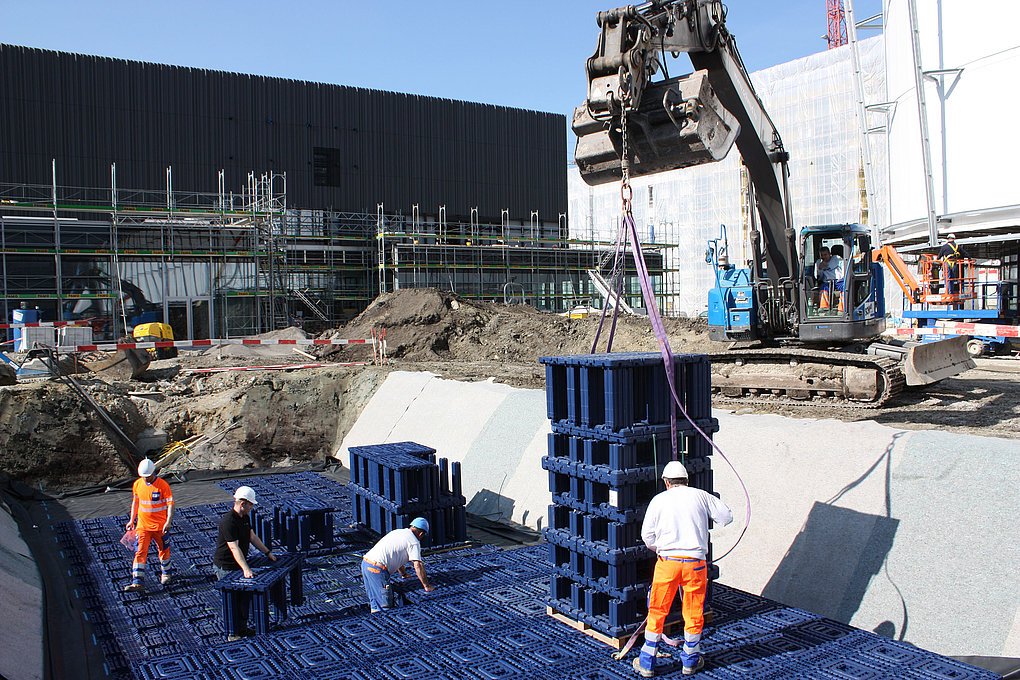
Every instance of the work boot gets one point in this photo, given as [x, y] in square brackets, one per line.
[645, 666]
[134, 588]
[691, 670]
[166, 579]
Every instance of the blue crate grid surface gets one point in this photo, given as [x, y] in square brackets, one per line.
[486, 619]
[611, 438]
[391, 484]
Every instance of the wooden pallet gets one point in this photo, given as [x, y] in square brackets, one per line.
[617, 643]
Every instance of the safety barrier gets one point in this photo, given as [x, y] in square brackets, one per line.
[68, 344]
[961, 328]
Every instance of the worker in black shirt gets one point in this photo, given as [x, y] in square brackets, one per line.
[950, 255]
[235, 535]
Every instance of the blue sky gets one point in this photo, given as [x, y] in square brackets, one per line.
[525, 53]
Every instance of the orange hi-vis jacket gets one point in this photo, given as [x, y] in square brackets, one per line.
[152, 502]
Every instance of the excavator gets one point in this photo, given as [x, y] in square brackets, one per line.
[809, 329]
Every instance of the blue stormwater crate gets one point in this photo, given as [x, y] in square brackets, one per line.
[597, 551]
[618, 391]
[690, 443]
[602, 510]
[632, 487]
[391, 484]
[607, 615]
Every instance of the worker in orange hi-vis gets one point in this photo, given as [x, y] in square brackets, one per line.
[152, 504]
[676, 528]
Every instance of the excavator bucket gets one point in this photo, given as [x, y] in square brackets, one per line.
[124, 364]
[930, 362]
[679, 123]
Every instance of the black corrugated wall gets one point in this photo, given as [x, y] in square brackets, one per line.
[342, 148]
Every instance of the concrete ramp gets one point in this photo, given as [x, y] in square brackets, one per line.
[909, 534]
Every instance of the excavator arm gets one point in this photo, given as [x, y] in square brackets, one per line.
[684, 121]
[899, 270]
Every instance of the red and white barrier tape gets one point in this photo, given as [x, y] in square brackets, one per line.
[112, 347]
[954, 328]
[46, 324]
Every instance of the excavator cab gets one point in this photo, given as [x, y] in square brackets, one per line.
[841, 294]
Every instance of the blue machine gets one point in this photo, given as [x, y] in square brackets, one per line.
[813, 306]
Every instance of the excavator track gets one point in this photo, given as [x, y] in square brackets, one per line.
[805, 377]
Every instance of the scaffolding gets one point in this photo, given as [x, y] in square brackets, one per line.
[126, 256]
[239, 263]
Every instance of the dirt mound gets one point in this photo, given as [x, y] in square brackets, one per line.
[435, 325]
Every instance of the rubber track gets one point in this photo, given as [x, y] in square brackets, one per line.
[894, 382]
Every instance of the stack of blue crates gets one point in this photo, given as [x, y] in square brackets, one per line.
[610, 440]
[391, 484]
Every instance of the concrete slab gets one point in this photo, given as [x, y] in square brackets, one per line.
[907, 533]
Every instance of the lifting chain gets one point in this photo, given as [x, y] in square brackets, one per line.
[626, 192]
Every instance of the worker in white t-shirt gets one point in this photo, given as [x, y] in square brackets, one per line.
[388, 556]
[676, 528]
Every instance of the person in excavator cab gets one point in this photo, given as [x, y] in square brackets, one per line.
[829, 271]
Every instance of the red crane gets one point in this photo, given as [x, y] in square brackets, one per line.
[837, 23]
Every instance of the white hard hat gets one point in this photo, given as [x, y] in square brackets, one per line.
[146, 468]
[951, 236]
[245, 493]
[674, 470]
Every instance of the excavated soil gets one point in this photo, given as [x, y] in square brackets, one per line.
[265, 418]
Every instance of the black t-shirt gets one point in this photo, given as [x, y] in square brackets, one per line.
[233, 527]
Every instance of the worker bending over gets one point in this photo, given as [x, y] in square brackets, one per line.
[389, 555]
[231, 554]
[676, 528]
[152, 506]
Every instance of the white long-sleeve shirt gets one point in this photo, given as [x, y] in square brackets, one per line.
[676, 522]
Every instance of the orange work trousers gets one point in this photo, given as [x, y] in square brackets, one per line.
[144, 538]
[671, 574]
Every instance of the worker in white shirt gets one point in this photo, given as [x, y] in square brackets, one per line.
[676, 528]
[389, 556]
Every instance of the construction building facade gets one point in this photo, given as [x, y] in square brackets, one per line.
[228, 204]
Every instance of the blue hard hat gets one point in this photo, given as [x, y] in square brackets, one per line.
[420, 523]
